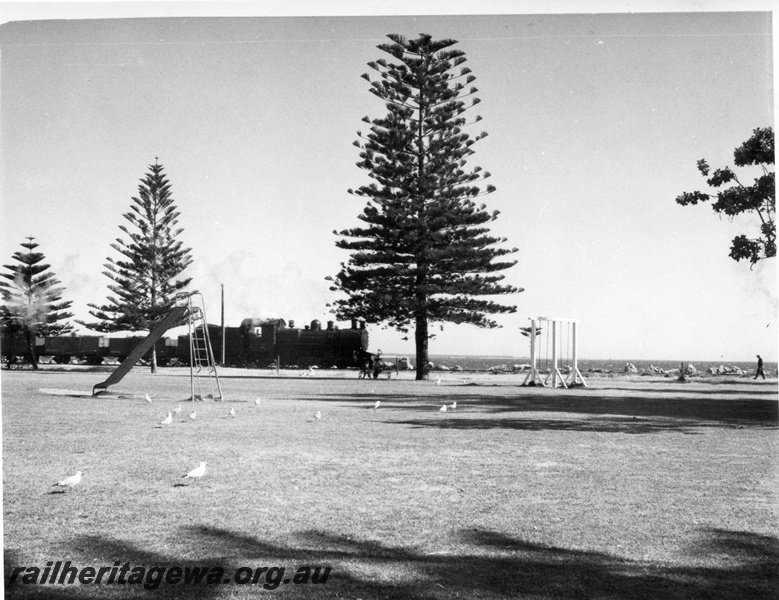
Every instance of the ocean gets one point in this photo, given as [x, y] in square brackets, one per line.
[485, 363]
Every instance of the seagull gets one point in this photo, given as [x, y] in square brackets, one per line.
[257, 401]
[232, 412]
[318, 415]
[177, 410]
[442, 409]
[378, 403]
[438, 381]
[167, 420]
[192, 415]
[197, 472]
[453, 406]
[69, 482]
[148, 398]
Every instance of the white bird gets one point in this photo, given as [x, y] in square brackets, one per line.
[378, 403]
[318, 415]
[257, 401]
[197, 472]
[177, 410]
[442, 409]
[69, 482]
[438, 381]
[192, 415]
[232, 412]
[453, 406]
[148, 398]
[167, 420]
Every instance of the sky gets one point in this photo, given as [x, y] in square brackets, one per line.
[596, 120]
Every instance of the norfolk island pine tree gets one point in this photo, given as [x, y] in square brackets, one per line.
[32, 301]
[425, 254]
[145, 285]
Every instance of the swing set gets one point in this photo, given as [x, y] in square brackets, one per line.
[562, 335]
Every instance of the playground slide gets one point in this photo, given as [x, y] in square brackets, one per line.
[141, 349]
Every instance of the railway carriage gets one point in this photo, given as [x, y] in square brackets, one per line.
[255, 343]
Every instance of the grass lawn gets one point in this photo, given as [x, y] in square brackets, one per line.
[626, 489]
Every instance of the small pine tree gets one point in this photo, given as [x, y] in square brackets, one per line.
[145, 285]
[425, 252]
[32, 301]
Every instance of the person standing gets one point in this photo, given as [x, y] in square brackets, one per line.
[759, 367]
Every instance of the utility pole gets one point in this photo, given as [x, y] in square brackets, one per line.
[222, 364]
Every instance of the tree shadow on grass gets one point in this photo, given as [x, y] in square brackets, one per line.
[682, 391]
[625, 425]
[720, 565]
[705, 411]
[577, 412]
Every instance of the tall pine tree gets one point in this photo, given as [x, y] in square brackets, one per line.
[424, 254]
[32, 301]
[145, 281]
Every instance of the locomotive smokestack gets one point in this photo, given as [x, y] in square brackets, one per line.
[354, 323]
[330, 326]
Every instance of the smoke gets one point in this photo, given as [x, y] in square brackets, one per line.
[758, 289]
[260, 286]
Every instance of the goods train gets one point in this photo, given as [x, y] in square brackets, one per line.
[255, 343]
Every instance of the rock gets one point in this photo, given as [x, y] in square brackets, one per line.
[630, 368]
[404, 364]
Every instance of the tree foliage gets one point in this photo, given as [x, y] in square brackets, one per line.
[736, 198]
[32, 299]
[145, 281]
[424, 254]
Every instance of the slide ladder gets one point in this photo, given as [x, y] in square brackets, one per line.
[202, 364]
[128, 363]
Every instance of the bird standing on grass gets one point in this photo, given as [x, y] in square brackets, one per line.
[192, 415]
[232, 412]
[69, 482]
[167, 420]
[318, 415]
[257, 401]
[453, 406]
[438, 381]
[377, 405]
[148, 398]
[442, 409]
[197, 472]
[177, 410]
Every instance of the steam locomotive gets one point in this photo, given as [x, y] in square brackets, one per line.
[255, 343]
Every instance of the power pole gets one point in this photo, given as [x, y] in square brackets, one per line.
[222, 364]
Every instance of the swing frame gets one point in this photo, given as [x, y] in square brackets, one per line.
[575, 376]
